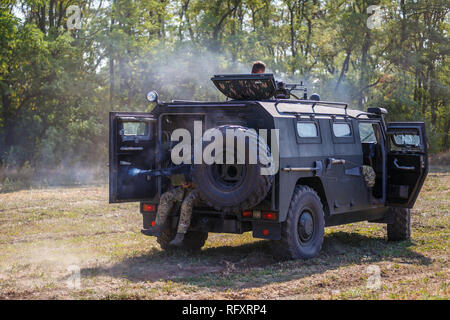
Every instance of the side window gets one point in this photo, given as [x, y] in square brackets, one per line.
[342, 131]
[307, 131]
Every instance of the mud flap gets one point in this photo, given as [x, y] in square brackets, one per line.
[264, 230]
[147, 219]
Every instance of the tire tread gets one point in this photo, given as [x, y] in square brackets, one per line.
[400, 229]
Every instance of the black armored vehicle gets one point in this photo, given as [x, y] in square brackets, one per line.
[318, 164]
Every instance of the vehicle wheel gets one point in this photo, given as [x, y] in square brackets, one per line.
[400, 229]
[167, 235]
[234, 187]
[302, 232]
[193, 240]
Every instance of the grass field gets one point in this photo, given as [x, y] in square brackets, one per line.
[45, 234]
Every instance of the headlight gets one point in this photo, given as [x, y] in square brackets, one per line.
[152, 96]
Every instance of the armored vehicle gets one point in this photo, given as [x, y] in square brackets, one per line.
[325, 164]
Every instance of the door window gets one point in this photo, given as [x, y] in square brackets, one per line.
[408, 141]
[367, 132]
[135, 128]
[132, 130]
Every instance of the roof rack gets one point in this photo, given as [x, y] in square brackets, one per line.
[186, 101]
[341, 105]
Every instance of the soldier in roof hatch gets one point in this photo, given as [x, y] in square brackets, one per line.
[258, 67]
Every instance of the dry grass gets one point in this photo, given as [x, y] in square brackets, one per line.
[43, 232]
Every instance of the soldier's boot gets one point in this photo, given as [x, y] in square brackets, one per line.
[153, 231]
[178, 241]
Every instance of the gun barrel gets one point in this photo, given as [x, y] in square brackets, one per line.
[137, 172]
[159, 172]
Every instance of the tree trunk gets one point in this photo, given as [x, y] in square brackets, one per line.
[343, 71]
[111, 62]
[446, 136]
[51, 17]
[291, 20]
[8, 125]
[42, 19]
[363, 75]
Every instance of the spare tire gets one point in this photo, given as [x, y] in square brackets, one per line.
[235, 187]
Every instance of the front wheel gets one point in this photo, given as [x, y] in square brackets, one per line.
[400, 228]
[302, 232]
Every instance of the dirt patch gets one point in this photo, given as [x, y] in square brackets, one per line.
[47, 236]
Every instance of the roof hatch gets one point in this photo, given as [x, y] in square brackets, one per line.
[246, 86]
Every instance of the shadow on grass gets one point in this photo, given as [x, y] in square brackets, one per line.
[253, 264]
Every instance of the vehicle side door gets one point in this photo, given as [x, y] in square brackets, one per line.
[132, 144]
[344, 182]
[407, 162]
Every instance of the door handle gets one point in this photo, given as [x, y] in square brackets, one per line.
[402, 167]
[131, 148]
[317, 169]
[331, 161]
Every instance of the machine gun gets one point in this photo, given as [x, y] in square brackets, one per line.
[284, 90]
[180, 169]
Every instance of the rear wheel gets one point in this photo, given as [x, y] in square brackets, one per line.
[400, 228]
[302, 232]
[193, 240]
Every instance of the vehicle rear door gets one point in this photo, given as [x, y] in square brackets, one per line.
[132, 144]
[407, 162]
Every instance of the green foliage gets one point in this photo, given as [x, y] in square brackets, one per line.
[58, 85]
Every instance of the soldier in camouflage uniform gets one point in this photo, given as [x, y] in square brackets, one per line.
[369, 176]
[190, 201]
[168, 199]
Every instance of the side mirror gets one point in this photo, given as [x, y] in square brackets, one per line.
[152, 96]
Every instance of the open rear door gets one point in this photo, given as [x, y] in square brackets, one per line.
[407, 162]
[132, 144]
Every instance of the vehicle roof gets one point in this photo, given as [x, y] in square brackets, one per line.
[285, 108]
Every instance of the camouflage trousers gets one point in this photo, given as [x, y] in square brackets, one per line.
[369, 175]
[192, 199]
[169, 198]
